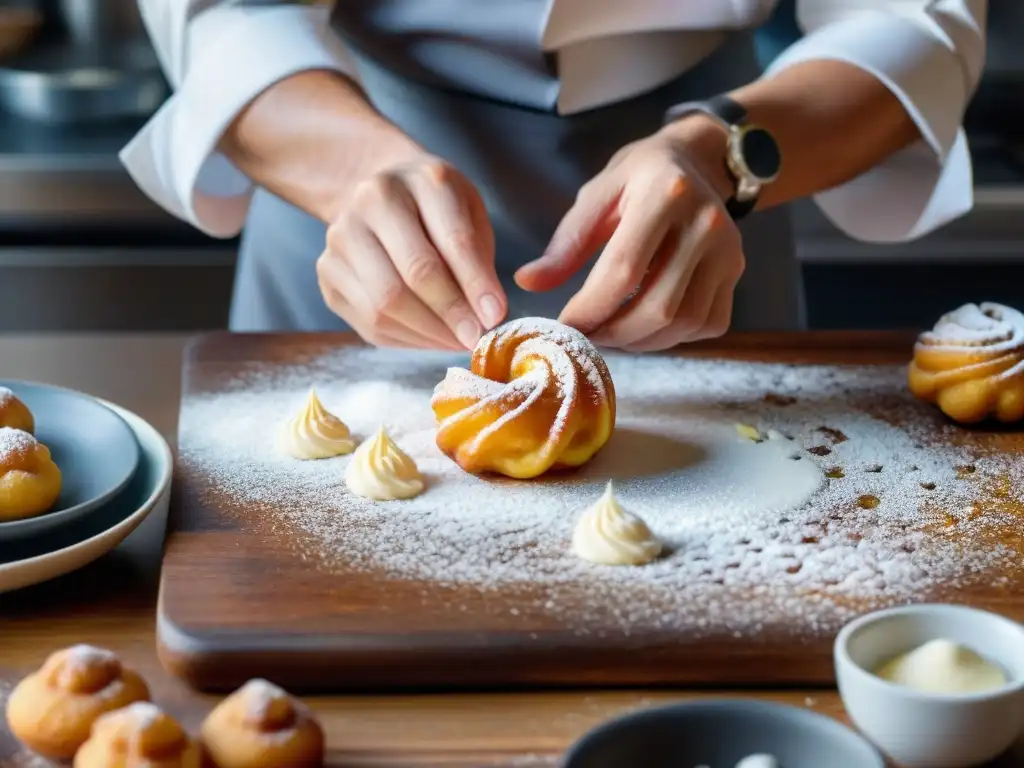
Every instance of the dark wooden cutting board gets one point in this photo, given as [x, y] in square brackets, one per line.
[235, 603]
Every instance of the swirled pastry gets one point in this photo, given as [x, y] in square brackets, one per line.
[52, 710]
[261, 726]
[30, 481]
[139, 736]
[537, 397]
[315, 433]
[382, 471]
[609, 535]
[971, 364]
[14, 413]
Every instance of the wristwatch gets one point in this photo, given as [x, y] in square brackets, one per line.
[752, 155]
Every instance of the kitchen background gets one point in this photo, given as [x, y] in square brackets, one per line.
[81, 249]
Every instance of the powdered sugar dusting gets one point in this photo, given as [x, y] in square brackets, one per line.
[90, 655]
[987, 325]
[15, 442]
[6, 396]
[855, 510]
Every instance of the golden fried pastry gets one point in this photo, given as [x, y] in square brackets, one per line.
[972, 364]
[538, 396]
[139, 736]
[261, 726]
[52, 710]
[14, 413]
[29, 480]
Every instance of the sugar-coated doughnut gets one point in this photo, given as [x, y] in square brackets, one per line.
[538, 396]
[261, 726]
[30, 481]
[14, 413]
[53, 709]
[139, 736]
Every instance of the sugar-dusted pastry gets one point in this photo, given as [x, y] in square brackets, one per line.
[139, 736]
[609, 535]
[538, 396]
[30, 481]
[382, 471]
[52, 710]
[315, 433]
[14, 413]
[971, 364]
[261, 726]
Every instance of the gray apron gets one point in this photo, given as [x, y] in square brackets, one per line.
[487, 107]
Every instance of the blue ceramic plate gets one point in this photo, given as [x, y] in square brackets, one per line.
[95, 449]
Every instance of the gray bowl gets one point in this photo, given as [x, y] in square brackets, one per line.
[719, 733]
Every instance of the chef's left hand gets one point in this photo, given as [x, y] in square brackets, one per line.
[672, 254]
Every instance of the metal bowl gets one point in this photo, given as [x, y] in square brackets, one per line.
[63, 83]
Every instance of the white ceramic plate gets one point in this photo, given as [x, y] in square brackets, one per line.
[47, 556]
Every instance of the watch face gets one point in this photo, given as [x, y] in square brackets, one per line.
[761, 153]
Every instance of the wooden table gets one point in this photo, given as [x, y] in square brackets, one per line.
[111, 604]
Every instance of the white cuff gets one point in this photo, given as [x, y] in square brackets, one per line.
[174, 158]
[924, 186]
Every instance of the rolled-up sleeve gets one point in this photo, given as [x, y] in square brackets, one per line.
[930, 54]
[218, 58]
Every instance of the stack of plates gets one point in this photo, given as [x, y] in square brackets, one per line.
[116, 471]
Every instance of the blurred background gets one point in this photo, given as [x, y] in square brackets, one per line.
[82, 250]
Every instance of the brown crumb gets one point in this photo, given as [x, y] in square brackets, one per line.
[835, 473]
[820, 450]
[833, 434]
[868, 501]
[873, 468]
[928, 486]
[776, 399]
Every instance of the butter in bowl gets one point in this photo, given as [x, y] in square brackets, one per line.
[934, 686]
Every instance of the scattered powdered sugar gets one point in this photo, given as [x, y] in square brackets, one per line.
[258, 695]
[989, 325]
[90, 655]
[14, 442]
[854, 498]
[6, 396]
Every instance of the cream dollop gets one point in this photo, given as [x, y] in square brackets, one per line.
[943, 667]
[609, 535]
[315, 433]
[381, 471]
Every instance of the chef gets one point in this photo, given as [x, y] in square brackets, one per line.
[420, 170]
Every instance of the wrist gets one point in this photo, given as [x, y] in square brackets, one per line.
[705, 142]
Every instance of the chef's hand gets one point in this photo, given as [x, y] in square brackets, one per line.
[410, 258]
[672, 255]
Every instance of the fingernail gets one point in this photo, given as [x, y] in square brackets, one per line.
[490, 308]
[468, 333]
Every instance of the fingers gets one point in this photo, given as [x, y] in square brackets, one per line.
[706, 309]
[650, 210]
[345, 297]
[456, 222]
[582, 231]
[655, 307]
[393, 216]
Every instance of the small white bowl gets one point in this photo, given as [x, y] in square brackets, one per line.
[925, 730]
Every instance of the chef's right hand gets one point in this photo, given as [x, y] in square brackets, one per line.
[410, 259]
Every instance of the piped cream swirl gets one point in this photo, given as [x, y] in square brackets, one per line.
[382, 471]
[609, 535]
[315, 433]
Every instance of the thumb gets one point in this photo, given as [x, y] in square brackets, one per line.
[586, 227]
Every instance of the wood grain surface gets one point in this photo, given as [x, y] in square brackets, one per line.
[234, 601]
[112, 603]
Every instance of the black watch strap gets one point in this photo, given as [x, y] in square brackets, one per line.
[731, 113]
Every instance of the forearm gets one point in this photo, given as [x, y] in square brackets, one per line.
[309, 137]
[832, 120]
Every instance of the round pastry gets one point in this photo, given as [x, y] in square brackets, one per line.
[30, 482]
[14, 413]
[971, 364]
[52, 710]
[261, 726]
[537, 397]
[139, 736]
[315, 433]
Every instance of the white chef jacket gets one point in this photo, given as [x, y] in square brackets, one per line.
[221, 54]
